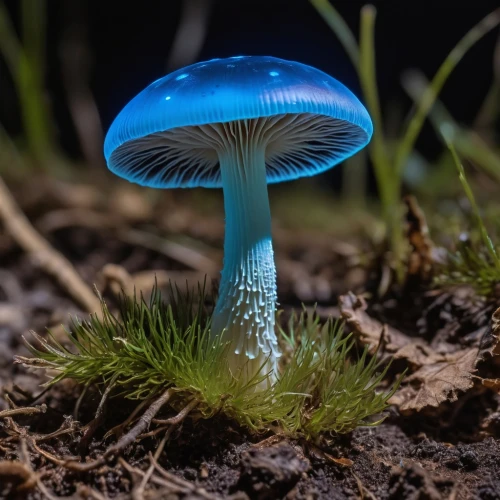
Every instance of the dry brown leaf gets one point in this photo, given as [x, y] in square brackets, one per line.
[369, 330]
[418, 354]
[434, 383]
[437, 376]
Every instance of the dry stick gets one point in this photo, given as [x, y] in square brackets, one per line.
[169, 423]
[182, 483]
[18, 474]
[143, 423]
[46, 257]
[44, 453]
[45, 491]
[172, 486]
[10, 425]
[29, 410]
[66, 428]
[138, 493]
[25, 460]
[158, 430]
[177, 481]
[128, 438]
[11, 403]
[85, 491]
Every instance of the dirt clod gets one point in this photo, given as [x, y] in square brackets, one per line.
[270, 473]
[414, 483]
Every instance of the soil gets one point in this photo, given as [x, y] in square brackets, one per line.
[451, 451]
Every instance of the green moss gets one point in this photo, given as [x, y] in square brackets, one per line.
[150, 347]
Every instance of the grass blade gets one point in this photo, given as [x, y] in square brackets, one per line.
[425, 104]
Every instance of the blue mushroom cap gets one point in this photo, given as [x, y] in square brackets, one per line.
[226, 90]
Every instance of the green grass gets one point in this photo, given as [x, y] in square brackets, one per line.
[24, 59]
[475, 263]
[389, 156]
[150, 347]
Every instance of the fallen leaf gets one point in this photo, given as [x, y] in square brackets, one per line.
[418, 354]
[437, 372]
[369, 330]
[434, 383]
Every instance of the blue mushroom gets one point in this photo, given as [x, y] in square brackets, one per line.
[239, 123]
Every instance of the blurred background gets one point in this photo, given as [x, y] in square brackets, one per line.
[92, 56]
[68, 67]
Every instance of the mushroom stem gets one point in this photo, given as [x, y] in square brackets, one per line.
[245, 310]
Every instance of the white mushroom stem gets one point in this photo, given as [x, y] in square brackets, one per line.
[246, 308]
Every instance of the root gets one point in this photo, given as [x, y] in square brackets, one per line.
[179, 417]
[138, 493]
[126, 439]
[72, 463]
[90, 429]
[118, 430]
[141, 425]
[18, 475]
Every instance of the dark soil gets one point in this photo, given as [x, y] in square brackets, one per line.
[450, 452]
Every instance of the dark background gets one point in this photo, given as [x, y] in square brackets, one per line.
[124, 45]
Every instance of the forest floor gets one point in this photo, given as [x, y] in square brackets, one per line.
[440, 438]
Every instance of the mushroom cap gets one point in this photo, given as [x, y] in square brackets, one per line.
[143, 143]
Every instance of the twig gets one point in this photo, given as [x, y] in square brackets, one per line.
[29, 410]
[270, 441]
[138, 493]
[172, 478]
[14, 429]
[182, 483]
[46, 257]
[363, 490]
[45, 454]
[45, 491]
[118, 429]
[17, 474]
[143, 423]
[25, 459]
[154, 432]
[11, 403]
[67, 427]
[172, 483]
[179, 417]
[128, 438]
[85, 491]
[99, 416]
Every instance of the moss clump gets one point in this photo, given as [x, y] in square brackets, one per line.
[150, 347]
